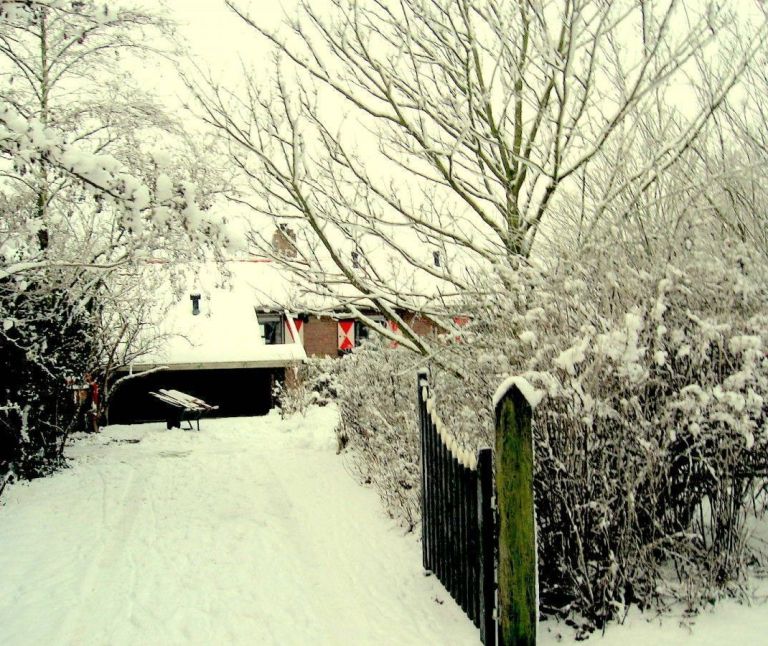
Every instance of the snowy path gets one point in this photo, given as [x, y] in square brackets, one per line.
[250, 532]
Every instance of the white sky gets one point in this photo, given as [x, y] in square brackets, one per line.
[218, 37]
[216, 40]
[221, 42]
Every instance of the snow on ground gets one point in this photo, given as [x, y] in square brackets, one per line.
[249, 532]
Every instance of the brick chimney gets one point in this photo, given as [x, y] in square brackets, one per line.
[284, 241]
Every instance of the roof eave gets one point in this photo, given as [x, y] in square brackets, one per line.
[214, 365]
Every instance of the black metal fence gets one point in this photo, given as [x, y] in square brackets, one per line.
[458, 526]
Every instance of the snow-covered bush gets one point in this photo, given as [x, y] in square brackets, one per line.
[652, 423]
[307, 384]
[382, 432]
[649, 435]
[47, 339]
[375, 387]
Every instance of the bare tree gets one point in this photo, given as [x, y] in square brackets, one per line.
[81, 149]
[466, 127]
[737, 158]
[87, 197]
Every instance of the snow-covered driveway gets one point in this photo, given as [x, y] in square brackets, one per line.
[249, 532]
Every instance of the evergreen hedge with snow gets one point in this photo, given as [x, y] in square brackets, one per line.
[47, 341]
[650, 436]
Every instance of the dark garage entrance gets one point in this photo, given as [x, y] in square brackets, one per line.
[238, 392]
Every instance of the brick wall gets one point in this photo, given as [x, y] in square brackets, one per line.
[421, 326]
[321, 337]
[321, 334]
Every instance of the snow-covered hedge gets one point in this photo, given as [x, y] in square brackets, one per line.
[651, 429]
[650, 436]
[46, 341]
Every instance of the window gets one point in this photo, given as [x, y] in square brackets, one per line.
[271, 328]
[363, 332]
[195, 298]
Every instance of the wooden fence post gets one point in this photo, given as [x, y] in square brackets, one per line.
[517, 529]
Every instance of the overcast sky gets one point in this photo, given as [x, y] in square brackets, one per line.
[217, 36]
[216, 39]
[219, 40]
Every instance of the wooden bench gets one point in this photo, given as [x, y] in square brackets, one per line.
[182, 407]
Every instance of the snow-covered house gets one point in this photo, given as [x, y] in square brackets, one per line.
[211, 344]
[226, 339]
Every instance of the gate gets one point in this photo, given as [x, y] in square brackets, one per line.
[458, 517]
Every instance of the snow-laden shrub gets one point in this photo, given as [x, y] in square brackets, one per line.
[45, 338]
[307, 384]
[650, 434]
[651, 431]
[381, 431]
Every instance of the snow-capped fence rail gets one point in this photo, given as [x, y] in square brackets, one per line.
[458, 526]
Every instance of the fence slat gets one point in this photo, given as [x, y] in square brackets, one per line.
[487, 548]
[448, 547]
[459, 516]
[425, 468]
[442, 517]
[451, 519]
[464, 543]
[429, 526]
[433, 489]
[472, 553]
[469, 556]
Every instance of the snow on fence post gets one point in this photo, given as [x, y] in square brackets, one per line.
[517, 601]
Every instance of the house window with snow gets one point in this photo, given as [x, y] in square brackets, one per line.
[271, 328]
[363, 332]
[195, 298]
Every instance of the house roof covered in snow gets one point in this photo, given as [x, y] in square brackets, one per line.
[211, 321]
[225, 333]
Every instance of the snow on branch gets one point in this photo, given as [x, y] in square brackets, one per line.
[28, 142]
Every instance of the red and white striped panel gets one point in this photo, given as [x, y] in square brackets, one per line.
[288, 336]
[460, 321]
[346, 334]
[392, 326]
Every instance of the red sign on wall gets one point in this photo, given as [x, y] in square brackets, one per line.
[346, 335]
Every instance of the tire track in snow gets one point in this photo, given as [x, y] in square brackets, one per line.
[118, 516]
